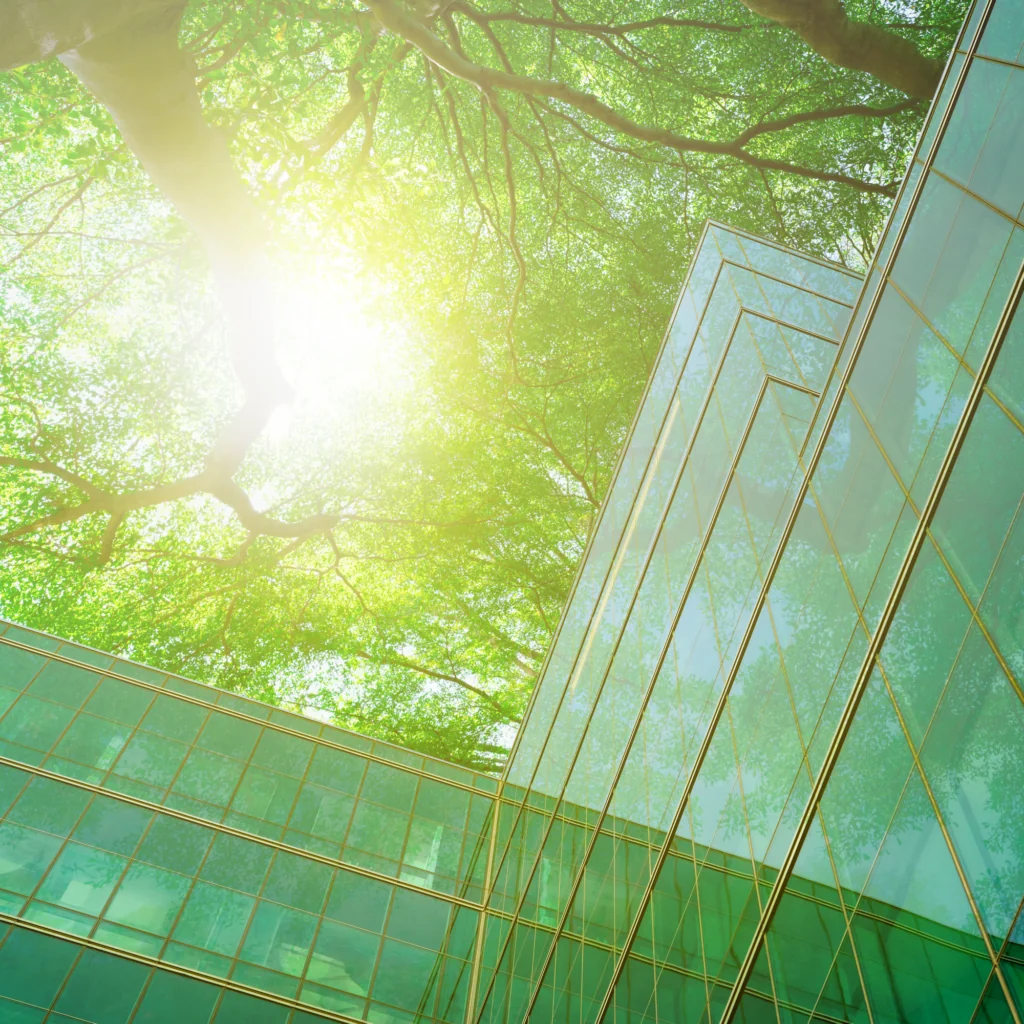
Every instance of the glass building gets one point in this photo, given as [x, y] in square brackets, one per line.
[774, 767]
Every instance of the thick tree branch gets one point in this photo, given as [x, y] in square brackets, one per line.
[810, 116]
[398, 20]
[826, 28]
[594, 28]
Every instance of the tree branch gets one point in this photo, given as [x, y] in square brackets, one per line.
[826, 28]
[396, 19]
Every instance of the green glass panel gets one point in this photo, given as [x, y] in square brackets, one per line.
[12, 782]
[102, 988]
[172, 999]
[175, 719]
[378, 830]
[984, 142]
[389, 786]
[254, 826]
[359, 901]
[7, 698]
[282, 753]
[265, 794]
[337, 769]
[129, 787]
[298, 882]
[153, 760]
[279, 939]
[93, 741]
[312, 844]
[209, 777]
[236, 1008]
[50, 805]
[214, 919]
[65, 684]
[35, 723]
[224, 734]
[175, 844]
[343, 958]
[925, 640]
[993, 1008]
[82, 878]
[148, 899]
[1013, 972]
[18, 668]
[982, 497]
[69, 921]
[33, 966]
[19, 1013]
[404, 974]
[129, 939]
[24, 856]
[445, 804]
[418, 918]
[120, 701]
[317, 996]
[1002, 36]
[322, 812]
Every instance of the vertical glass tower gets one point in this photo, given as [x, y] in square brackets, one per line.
[774, 767]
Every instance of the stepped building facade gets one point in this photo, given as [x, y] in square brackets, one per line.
[773, 770]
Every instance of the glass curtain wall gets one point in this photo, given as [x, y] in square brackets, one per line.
[773, 768]
[198, 843]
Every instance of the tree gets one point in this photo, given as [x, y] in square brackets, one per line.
[505, 198]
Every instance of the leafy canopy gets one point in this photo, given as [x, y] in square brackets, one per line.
[479, 214]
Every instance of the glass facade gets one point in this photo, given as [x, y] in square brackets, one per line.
[774, 767]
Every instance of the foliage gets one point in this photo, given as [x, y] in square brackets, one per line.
[473, 280]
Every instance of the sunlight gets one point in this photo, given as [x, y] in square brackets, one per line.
[339, 358]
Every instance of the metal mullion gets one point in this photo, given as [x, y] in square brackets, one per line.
[885, 620]
[666, 337]
[638, 719]
[220, 827]
[771, 243]
[626, 618]
[772, 319]
[999, 60]
[158, 965]
[848, 922]
[264, 723]
[789, 284]
[481, 928]
[974, 195]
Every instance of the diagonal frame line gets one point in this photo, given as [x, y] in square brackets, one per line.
[787, 531]
[878, 639]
